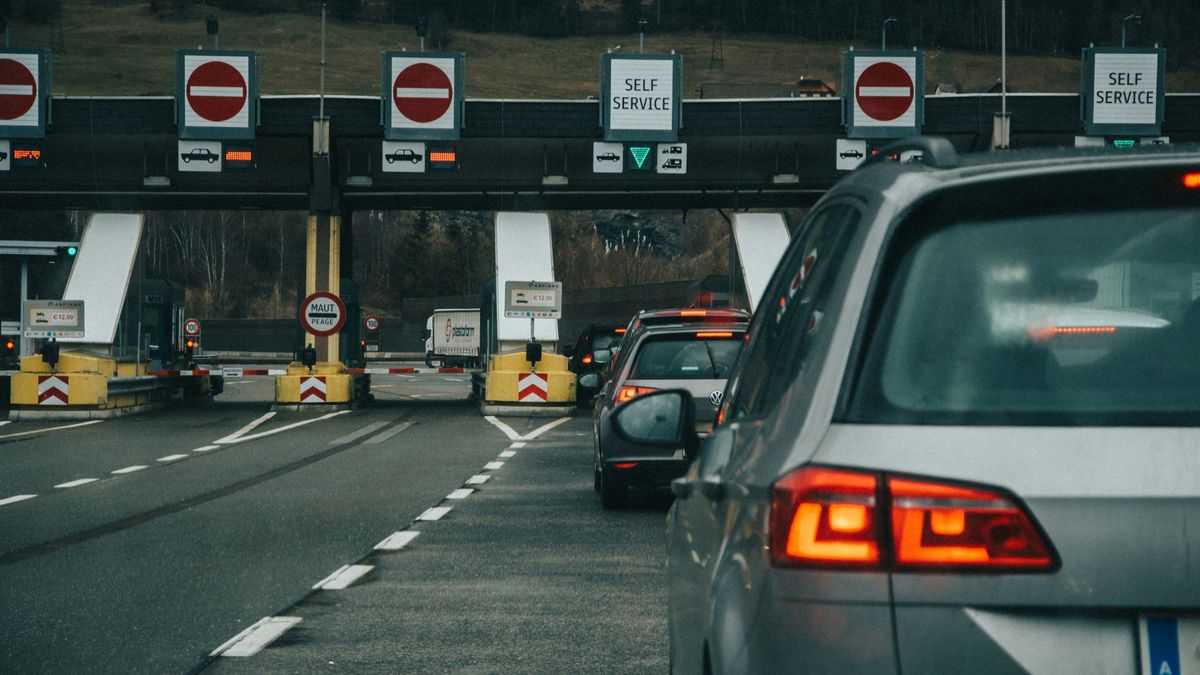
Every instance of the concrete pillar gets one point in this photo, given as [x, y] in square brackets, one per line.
[323, 272]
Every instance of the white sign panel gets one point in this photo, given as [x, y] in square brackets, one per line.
[641, 95]
[52, 318]
[20, 90]
[403, 157]
[200, 156]
[885, 91]
[850, 153]
[5, 156]
[1125, 89]
[606, 157]
[533, 299]
[672, 158]
[216, 90]
[422, 93]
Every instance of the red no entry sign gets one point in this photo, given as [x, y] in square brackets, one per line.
[216, 91]
[18, 89]
[884, 91]
[422, 92]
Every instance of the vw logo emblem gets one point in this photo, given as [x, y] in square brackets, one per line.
[715, 398]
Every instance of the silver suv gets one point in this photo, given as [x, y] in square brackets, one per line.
[964, 433]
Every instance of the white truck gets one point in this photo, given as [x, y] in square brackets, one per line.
[452, 338]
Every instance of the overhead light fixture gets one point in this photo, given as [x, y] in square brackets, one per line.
[554, 180]
[785, 179]
[156, 181]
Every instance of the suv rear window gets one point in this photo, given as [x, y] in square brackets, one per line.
[686, 357]
[1055, 318]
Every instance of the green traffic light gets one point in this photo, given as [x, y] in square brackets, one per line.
[71, 250]
[1123, 142]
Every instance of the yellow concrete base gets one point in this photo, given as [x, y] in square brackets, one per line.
[505, 372]
[79, 382]
[327, 383]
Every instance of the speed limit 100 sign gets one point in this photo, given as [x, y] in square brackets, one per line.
[191, 327]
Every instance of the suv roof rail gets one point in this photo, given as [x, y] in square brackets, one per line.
[935, 151]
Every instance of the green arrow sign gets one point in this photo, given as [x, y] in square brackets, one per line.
[639, 153]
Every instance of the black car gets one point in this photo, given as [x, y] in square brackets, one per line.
[596, 336]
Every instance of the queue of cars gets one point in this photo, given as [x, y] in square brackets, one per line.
[961, 435]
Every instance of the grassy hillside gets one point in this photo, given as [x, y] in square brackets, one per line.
[111, 48]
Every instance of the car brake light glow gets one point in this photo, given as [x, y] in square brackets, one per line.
[587, 358]
[1066, 330]
[1191, 180]
[630, 393]
[693, 312]
[707, 335]
[619, 331]
[828, 517]
[625, 465]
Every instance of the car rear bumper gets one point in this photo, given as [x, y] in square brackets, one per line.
[646, 473]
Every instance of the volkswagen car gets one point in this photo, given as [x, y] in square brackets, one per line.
[962, 435]
[692, 349]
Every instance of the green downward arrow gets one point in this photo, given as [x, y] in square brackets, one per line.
[639, 153]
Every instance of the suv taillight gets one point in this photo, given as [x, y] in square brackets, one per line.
[629, 393]
[827, 517]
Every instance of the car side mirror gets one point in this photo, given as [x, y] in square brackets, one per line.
[602, 356]
[589, 382]
[662, 419]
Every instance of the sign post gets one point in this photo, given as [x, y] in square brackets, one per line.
[641, 96]
[1123, 91]
[885, 93]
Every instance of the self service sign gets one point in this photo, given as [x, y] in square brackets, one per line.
[641, 96]
[1123, 91]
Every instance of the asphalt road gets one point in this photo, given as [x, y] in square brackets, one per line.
[234, 515]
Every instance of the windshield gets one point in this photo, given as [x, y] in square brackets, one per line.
[604, 341]
[686, 357]
[1041, 318]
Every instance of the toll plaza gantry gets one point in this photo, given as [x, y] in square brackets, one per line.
[339, 154]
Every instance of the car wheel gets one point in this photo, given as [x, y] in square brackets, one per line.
[612, 496]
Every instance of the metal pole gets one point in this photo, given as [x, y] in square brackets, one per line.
[25, 350]
[641, 36]
[422, 39]
[883, 40]
[1003, 61]
[321, 113]
[217, 41]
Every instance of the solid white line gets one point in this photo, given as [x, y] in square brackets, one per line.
[42, 431]
[885, 91]
[518, 444]
[355, 435]
[544, 428]
[478, 479]
[250, 641]
[422, 92]
[343, 577]
[17, 90]
[15, 498]
[508, 453]
[76, 483]
[130, 469]
[508, 431]
[3, 422]
[461, 493]
[245, 430]
[376, 440]
[171, 458]
[493, 466]
[272, 432]
[397, 541]
[435, 513]
[230, 92]
[206, 448]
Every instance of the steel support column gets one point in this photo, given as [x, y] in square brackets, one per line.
[323, 271]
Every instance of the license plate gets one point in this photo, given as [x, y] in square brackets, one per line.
[1170, 646]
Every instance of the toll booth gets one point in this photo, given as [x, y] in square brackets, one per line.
[159, 307]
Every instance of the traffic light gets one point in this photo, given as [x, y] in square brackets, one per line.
[66, 251]
[10, 353]
[189, 349]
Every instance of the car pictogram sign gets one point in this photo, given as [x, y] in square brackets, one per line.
[422, 95]
[24, 92]
[217, 94]
[886, 94]
[322, 314]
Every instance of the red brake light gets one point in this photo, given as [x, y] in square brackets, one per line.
[714, 335]
[826, 517]
[587, 358]
[1191, 180]
[693, 312]
[625, 465]
[619, 331]
[630, 393]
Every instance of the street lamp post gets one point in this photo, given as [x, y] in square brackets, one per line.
[641, 36]
[883, 40]
[1137, 18]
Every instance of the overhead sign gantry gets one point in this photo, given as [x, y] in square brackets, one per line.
[216, 108]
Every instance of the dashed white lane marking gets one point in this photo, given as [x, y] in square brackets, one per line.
[435, 513]
[170, 458]
[206, 448]
[397, 541]
[461, 493]
[130, 469]
[544, 428]
[343, 577]
[42, 431]
[508, 453]
[478, 479]
[3, 422]
[493, 466]
[250, 641]
[14, 499]
[76, 483]
[518, 444]
[246, 429]
[508, 431]
[379, 438]
[289, 427]
[355, 435]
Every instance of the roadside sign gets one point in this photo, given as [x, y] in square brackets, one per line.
[322, 314]
[216, 94]
[533, 299]
[641, 96]
[200, 156]
[1123, 91]
[850, 153]
[371, 323]
[52, 318]
[672, 158]
[606, 157]
[5, 156]
[191, 327]
[886, 90]
[422, 95]
[403, 157]
[24, 92]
